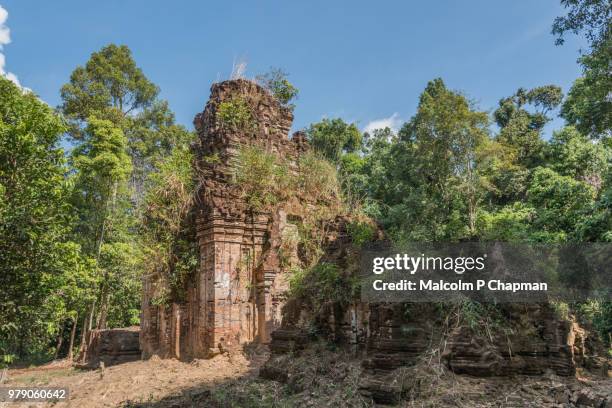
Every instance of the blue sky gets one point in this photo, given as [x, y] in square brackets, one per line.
[364, 61]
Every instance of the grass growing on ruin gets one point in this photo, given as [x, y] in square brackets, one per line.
[262, 178]
[266, 181]
[235, 114]
[168, 237]
[318, 179]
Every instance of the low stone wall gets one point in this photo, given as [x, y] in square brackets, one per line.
[110, 346]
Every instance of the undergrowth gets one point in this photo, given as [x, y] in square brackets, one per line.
[323, 283]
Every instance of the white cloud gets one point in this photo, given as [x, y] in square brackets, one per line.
[393, 122]
[5, 38]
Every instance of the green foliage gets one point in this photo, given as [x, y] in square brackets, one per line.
[110, 83]
[361, 232]
[120, 267]
[103, 157]
[588, 104]
[39, 268]
[436, 177]
[112, 87]
[520, 128]
[262, 178]
[561, 201]
[334, 137]
[275, 81]
[168, 237]
[482, 318]
[596, 226]
[573, 154]
[599, 313]
[235, 114]
[561, 309]
[123, 133]
[589, 16]
[511, 223]
[324, 283]
[104, 226]
[100, 184]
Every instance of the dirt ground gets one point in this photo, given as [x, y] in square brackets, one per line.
[132, 383]
[316, 378]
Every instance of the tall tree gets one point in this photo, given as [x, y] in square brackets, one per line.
[446, 134]
[101, 197]
[109, 85]
[588, 105]
[334, 137]
[35, 257]
[521, 129]
[122, 132]
[112, 87]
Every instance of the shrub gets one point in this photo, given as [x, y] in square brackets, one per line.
[361, 232]
[276, 82]
[235, 114]
[600, 314]
[323, 283]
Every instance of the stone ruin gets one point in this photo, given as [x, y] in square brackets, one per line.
[238, 294]
[110, 347]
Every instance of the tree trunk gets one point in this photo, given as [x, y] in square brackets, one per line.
[103, 310]
[91, 315]
[85, 319]
[60, 340]
[72, 334]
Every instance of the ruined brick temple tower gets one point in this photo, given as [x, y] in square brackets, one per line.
[237, 292]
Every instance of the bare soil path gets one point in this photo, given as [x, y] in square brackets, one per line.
[138, 382]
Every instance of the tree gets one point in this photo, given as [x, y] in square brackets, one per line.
[101, 196]
[122, 132]
[589, 16]
[570, 153]
[446, 134]
[425, 184]
[588, 105]
[35, 257]
[275, 81]
[112, 87]
[109, 85]
[561, 203]
[334, 137]
[521, 129]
